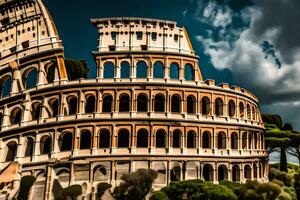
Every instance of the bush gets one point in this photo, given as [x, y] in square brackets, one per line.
[279, 175]
[101, 188]
[72, 191]
[57, 190]
[219, 192]
[159, 195]
[297, 184]
[25, 185]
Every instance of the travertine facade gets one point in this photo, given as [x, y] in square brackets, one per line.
[148, 108]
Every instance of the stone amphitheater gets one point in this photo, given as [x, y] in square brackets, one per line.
[148, 107]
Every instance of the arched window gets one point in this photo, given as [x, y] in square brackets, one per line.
[90, 104]
[222, 173]
[175, 173]
[231, 108]
[206, 140]
[35, 111]
[142, 138]
[188, 72]
[11, 151]
[255, 171]
[46, 143]
[191, 104]
[85, 140]
[159, 103]
[218, 106]
[142, 103]
[176, 139]
[250, 140]
[141, 69]
[29, 147]
[248, 112]
[15, 116]
[109, 70]
[51, 73]
[125, 69]
[104, 139]
[160, 139]
[66, 141]
[5, 86]
[123, 138]
[236, 173]
[191, 139]
[107, 103]
[124, 103]
[244, 140]
[253, 113]
[54, 104]
[247, 172]
[174, 71]
[208, 172]
[221, 140]
[30, 78]
[72, 101]
[234, 141]
[1, 120]
[242, 108]
[205, 106]
[255, 140]
[176, 104]
[159, 70]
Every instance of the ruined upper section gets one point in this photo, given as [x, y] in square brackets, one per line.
[141, 34]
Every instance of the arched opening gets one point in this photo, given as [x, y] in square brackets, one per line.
[15, 116]
[85, 140]
[221, 140]
[123, 138]
[191, 139]
[206, 140]
[36, 111]
[142, 103]
[159, 103]
[191, 105]
[255, 171]
[255, 141]
[142, 138]
[176, 139]
[72, 101]
[104, 139]
[109, 70]
[51, 73]
[247, 172]
[253, 113]
[30, 78]
[160, 139]
[141, 69]
[205, 106]
[176, 104]
[90, 106]
[101, 174]
[66, 141]
[174, 71]
[54, 104]
[11, 151]
[124, 103]
[244, 140]
[231, 108]
[107, 103]
[242, 108]
[46, 144]
[125, 69]
[250, 140]
[159, 70]
[218, 106]
[175, 174]
[236, 173]
[234, 141]
[189, 72]
[208, 172]
[29, 147]
[1, 120]
[5, 86]
[248, 112]
[222, 173]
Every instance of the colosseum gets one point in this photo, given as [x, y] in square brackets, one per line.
[148, 107]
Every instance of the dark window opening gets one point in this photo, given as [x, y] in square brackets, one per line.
[123, 139]
[176, 104]
[160, 139]
[107, 104]
[104, 139]
[124, 104]
[85, 140]
[66, 141]
[142, 102]
[90, 104]
[142, 138]
[159, 103]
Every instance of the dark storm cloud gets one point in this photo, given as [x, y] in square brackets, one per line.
[283, 15]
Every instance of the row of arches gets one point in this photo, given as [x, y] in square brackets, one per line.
[142, 70]
[142, 139]
[176, 104]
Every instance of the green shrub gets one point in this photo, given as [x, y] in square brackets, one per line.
[101, 188]
[57, 190]
[219, 192]
[282, 176]
[159, 195]
[25, 185]
[284, 196]
[72, 191]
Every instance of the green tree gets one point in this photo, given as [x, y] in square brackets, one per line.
[272, 119]
[135, 185]
[26, 183]
[76, 69]
[294, 146]
[159, 195]
[101, 188]
[72, 191]
[297, 184]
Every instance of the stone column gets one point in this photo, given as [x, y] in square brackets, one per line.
[42, 74]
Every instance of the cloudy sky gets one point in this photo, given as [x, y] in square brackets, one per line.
[251, 43]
